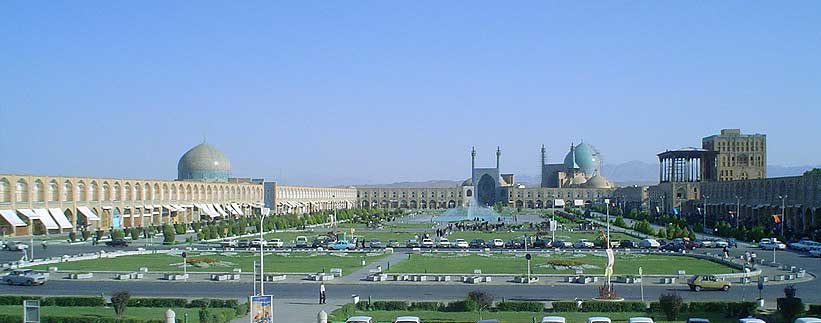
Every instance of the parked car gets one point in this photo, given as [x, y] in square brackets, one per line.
[26, 277]
[640, 319]
[489, 321]
[343, 245]
[228, 243]
[649, 244]
[258, 242]
[807, 320]
[815, 252]
[703, 244]
[407, 319]
[804, 244]
[393, 244]
[427, 243]
[477, 243]
[461, 243]
[700, 282]
[359, 319]
[275, 243]
[319, 243]
[497, 243]
[15, 246]
[630, 244]
[583, 244]
[117, 243]
[562, 244]
[732, 243]
[541, 243]
[375, 244]
[412, 243]
[243, 243]
[770, 243]
[750, 320]
[301, 242]
[697, 320]
[444, 243]
[720, 243]
[515, 244]
[554, 319]
[599, 319]
[674, 247]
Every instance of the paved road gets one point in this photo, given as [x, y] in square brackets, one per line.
[342, 292]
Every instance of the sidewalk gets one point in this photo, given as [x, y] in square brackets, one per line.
[297, 310]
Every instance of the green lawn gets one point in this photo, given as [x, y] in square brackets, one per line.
[403, 235]
[560, 235]
[293, 262]
[157, 313]
[498, 263]
[515, 317]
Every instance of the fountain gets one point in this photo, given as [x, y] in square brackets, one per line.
[473, 211]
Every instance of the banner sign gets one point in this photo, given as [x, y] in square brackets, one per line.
[558, 203]
[262, 309]
[578, 202]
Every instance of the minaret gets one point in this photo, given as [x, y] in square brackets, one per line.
[472, 164]
[541, 166]
[498, 154]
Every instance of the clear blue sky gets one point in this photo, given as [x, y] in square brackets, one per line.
[333, 92]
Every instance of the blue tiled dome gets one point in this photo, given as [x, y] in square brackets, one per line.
[205, 163]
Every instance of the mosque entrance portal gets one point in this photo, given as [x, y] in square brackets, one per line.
[486, 191]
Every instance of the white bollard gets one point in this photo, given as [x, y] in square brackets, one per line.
[170, 316]
[322, 317]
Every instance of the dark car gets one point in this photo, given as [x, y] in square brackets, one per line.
[541, 243]
[317, 243]
[630, 244]
[515, 244]
[412, 243]
[732, 243]
[393, 244]
[243, 243]
[675, 247]
[375, 244]
[117, 243]
[477, 243]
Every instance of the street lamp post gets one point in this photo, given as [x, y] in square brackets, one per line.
[737, 210]
[262, 216]
[783, 214]
[704, 216]
[607, 208]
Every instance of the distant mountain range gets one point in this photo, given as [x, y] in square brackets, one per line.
[624, 174]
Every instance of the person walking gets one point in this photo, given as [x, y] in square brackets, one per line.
[747, 257]
[726, 252]
[752, 258]
[322, 293]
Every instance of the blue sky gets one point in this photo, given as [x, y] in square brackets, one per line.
[331, 92]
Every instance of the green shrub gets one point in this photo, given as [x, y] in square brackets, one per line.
[671, 305]
[135, 233]
[389, 306]
[72, 301]
[565, 307]
[117, 234]
[459, 306]
[520, 307]
[425, 306]
[157, 302]
[179, 228]
[168, 234]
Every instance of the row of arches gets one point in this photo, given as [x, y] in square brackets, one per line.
[796, 219]
[23, 190]
[412, 204]
[315, 193]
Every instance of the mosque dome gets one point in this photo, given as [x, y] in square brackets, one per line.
[583, 157]
[204, 163]
[597, 181]
[467, 182]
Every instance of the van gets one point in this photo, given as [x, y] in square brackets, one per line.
[554, 319]
[359, 319]
[751, 320]
[599, 319]
[640, 319]
[407, 319]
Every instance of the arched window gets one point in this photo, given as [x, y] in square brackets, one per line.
[38, 192]
[116, 196]
[106, 192]
[5, 190]
[128, 192]
[95, 195]
[22, 191]
[67, 192]
[52, 191]
[82, 192]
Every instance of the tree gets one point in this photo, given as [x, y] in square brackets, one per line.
[482, 300]
[168, 234]
[671, 305]
[120, 299]
[619, 222]
[203, 314]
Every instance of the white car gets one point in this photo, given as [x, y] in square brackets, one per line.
[649, 244]
[359, 319]
[444, 243]
[640, 319]
[258, 242]
[407, 319]
[804, 245]
[583, 244]
[497, 243]
[599, 319]
[807, 320]
[229, 243]
[461, 243]
[554, 319]
[751, 320]
[15, 246]
[815, 252]
[770, 244]
[275, 243]
[427, 243]
[720, 243]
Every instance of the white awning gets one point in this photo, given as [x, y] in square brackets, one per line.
[87, 212]
[179, 208]
[238, 208]
[106, 208]
[219, 209]
[212, 211]
[47, 221]
[12, 218]
[61, 218]
[169, 207]
[148, 207]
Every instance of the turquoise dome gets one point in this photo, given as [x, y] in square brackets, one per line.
[583, 157]
[204, 163]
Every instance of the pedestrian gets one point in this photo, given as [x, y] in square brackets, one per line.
[747, 257]
[752, 258]
[322, 293]
[726, 252]
[44, 245]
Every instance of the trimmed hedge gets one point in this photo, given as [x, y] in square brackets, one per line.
[157, 302]
[75, 319]
[53, 301]
[565, 307]
[815, 309]
[213, 303]
[425, 306]
[520, 307]
[593, 306]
